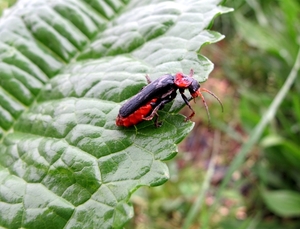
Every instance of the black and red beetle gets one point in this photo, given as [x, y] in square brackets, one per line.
[153, 97]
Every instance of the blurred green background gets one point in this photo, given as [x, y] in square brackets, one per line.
[238, 172]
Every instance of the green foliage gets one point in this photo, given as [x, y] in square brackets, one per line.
[285, 203]
[273, 28]
[65, 68]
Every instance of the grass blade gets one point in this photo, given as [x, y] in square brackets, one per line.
[257, 131]
[205, 186]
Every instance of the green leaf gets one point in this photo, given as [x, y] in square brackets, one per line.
[284, 203]
[287, 151]
[276, 32]
[66, 68]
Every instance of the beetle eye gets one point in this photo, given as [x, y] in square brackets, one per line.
[193, 88]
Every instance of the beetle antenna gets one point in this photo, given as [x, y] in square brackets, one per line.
[208, 91]
[205, 105]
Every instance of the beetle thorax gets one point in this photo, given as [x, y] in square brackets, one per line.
[182, 81]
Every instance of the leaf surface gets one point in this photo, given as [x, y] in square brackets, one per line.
[66, 68]
[284, 203]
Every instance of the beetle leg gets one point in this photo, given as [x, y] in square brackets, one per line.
[185, 99]
[160, 105]
[148, 79]
[191, 73]
[157, 123]
[153, 113]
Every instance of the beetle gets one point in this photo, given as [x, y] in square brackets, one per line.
[145, 104]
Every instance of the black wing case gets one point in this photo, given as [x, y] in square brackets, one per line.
[155, 89]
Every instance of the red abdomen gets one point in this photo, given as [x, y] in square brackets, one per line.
[137, 116]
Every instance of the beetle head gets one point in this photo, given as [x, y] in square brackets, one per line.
[194, 88]
[188, 82]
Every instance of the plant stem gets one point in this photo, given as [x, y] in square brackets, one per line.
[258, 130]
[205, 186]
